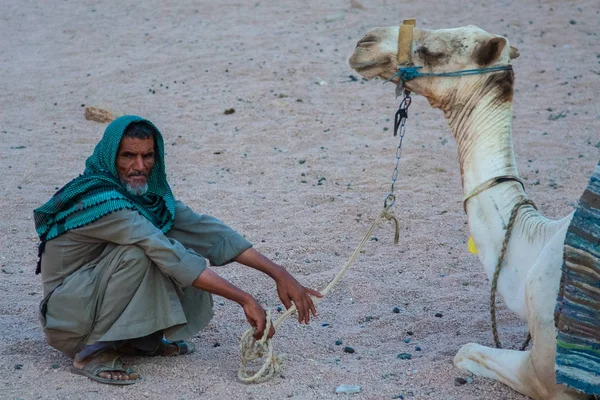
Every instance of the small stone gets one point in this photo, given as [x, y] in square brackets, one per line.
[407, 340]
[334, 17]
[229, 111]
[98, 114]
[404, 356]
[438, 315]
[417, 348]
[347, 389]
[459, 381]
[410, 333]
[348, 349]
[55, 366]
[396, 310]
[18, 366]
[398, 397]
[324, 324]
[301, 161]
[338, 342]
[279, 309]
[217, 344]
[469, 380]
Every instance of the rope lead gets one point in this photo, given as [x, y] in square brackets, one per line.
[252, 349]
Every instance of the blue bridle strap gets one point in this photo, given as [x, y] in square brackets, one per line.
[410, 73]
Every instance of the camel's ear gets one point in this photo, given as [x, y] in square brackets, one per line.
[514, 52]
[487, 52]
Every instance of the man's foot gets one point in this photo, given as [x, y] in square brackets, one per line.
[177, 348]
[166, 348]
[106, 367]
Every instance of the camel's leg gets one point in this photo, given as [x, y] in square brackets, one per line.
[511, 367]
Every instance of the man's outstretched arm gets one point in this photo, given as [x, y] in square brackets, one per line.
[288, 288]
[210, 282]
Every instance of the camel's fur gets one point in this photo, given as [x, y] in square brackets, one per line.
[479, 111]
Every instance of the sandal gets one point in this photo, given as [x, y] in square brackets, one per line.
[107, 361]
[165, 349]
[182, 348]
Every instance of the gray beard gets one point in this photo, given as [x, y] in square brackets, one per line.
[136, 190]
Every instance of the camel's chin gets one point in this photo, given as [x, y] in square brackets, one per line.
[367, 73]
[373, 72]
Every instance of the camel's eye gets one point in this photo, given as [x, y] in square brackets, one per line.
[431, 58]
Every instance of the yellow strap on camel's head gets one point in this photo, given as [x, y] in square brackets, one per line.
[405, 38]
[471, 246]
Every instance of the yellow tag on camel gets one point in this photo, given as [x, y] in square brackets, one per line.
[471, 246]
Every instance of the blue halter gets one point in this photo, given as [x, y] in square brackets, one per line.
[410, 73]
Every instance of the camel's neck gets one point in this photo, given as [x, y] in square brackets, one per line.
[481, 124]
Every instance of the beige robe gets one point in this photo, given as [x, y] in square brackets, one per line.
[121, 278]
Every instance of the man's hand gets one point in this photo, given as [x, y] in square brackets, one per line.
[257, 317]
[290, 290]
[209, 281]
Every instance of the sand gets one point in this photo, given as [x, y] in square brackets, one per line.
[301, 168]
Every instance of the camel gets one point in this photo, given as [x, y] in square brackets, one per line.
[478, 109]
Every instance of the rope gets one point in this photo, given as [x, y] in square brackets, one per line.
[509, 227]
[252, 349]
[410, 73]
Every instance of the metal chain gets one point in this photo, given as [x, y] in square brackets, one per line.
[399, 126]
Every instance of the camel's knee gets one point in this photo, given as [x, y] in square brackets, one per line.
[466, 356]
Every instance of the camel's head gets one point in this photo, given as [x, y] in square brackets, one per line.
[377, 54]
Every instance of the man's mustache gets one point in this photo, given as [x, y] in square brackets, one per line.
[145, 175]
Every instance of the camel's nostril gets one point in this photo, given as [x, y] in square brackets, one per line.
[367, 41]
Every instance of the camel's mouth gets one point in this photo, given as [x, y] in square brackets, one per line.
[367, 65]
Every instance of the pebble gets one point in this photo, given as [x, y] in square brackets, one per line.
[347, 389]
[279, 309]
[469, 380]
[18, 366]
[325, 324]
[396, 310]
[338, 342]
[459, 381]
[404, 356]
[334, 17]
[417, 348]
[348, 349]
[410, 333]
[217, 344]
[439, 315]
[407, 340]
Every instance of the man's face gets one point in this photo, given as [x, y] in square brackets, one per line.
[135, 159]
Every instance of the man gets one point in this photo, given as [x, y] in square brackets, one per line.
[123, 263]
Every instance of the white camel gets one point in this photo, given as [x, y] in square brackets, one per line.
[479, 112]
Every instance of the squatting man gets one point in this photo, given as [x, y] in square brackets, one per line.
[123, 262]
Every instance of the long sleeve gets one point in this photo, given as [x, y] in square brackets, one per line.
[126, 227]
[207, 235]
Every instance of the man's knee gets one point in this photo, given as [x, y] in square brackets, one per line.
[134, 257]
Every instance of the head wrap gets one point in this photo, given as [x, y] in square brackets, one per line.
[99, 191]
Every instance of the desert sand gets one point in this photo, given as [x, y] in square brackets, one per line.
[301, 167]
